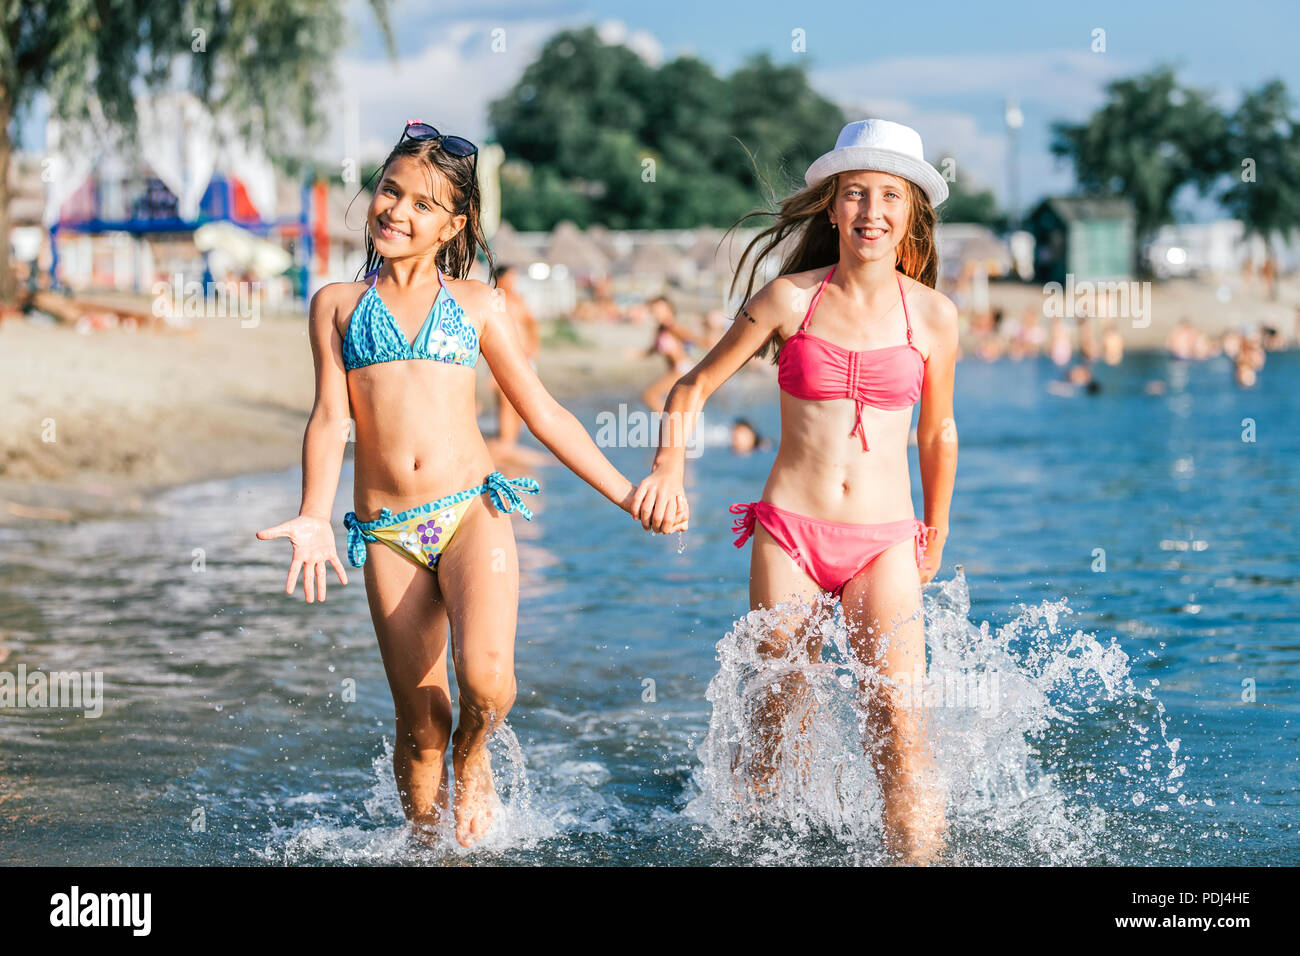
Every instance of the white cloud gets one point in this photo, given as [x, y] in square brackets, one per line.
[1070, 82]
[641, 42]
[450, 81]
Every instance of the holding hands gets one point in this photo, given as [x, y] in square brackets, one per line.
[659, 502]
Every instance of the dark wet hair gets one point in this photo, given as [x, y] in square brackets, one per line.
[759, 441]
[456, 257]
[501, 270]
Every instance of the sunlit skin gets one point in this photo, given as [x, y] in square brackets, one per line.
[821, 471]
[416, 440]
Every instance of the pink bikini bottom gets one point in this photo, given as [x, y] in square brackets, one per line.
[830, 552]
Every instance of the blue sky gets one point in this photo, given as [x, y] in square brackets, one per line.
[943, 67]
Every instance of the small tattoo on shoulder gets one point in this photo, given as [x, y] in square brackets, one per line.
[745, 312]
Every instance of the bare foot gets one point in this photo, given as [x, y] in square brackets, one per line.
[476, 798]
[426, 832]
[426, 827]
[919, 837]
[917, 850]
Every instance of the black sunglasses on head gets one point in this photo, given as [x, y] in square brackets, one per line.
[456, 145]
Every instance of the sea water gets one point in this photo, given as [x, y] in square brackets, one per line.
[1120, 574]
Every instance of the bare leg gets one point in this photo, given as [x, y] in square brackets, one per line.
[504, 447]
[479, 574]
[411, 626]
[775, 578]
[508, 420]
[886, 632]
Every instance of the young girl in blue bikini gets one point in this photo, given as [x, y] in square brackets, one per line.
[424, 487]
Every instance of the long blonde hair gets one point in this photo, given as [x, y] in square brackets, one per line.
[817, 245]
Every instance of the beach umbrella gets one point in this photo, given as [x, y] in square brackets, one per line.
[570, 247]
[656, 258]
[615, 245]
[508, 250]
[250, 253]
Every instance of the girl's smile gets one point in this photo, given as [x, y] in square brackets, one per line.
[387, 231]
[870, 234]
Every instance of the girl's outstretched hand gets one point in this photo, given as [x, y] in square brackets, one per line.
[313, 546]
[660, 503]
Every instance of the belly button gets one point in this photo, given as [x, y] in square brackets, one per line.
[416, 466]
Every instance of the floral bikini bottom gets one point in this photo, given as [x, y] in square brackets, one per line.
[423, 533]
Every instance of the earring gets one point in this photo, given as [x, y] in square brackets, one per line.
[833, 226]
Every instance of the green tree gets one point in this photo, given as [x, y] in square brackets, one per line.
[266, 65]
[1152, 137]
[783, 121]
[645, 147]
[972, 204]
[1264, 162]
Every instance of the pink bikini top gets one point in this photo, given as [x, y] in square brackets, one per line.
[814, 369]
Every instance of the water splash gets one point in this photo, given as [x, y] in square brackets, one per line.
[1041, 737]
[388, 838]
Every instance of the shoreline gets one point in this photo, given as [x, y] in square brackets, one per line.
[117, 417]
[93, 426]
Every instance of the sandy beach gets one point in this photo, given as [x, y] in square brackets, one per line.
[91, 425]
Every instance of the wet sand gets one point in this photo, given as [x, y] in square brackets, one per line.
[92, 425]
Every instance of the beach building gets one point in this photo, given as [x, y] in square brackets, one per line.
[1215, 250]
[1091, 238]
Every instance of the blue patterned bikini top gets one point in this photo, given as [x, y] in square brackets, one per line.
[373, 335]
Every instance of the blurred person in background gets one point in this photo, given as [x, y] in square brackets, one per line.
[1112, 343]
[670, 341]
[1061, 347]
[504, 448]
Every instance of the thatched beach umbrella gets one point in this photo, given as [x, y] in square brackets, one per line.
[615, 245]
[570, 247]
[657, 258]
[705, 252]
[507, 250]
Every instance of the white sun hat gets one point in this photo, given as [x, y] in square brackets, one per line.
[882, 146]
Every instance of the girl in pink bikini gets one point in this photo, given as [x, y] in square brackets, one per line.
[860, 336]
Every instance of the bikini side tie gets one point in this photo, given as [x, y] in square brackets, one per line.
[357, 536]
[744, 525]
[503, 493]
[922, 538]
